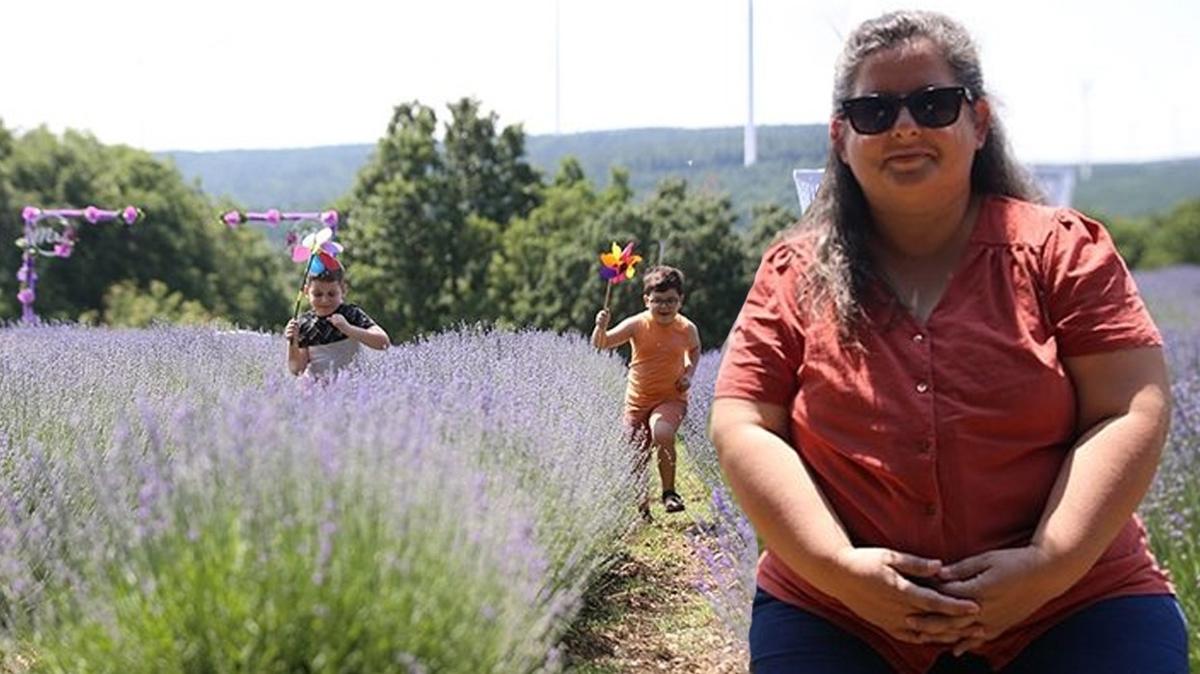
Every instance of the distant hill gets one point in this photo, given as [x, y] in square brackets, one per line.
[710, 159]
[299, 179]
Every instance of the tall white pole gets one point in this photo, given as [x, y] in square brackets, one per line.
[750, 140]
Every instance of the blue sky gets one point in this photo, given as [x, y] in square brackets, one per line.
[1074, 81]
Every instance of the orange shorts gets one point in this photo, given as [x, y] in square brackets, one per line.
[671, 411]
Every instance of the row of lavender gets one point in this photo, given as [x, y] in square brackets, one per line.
[170, 501]
[1171, 511]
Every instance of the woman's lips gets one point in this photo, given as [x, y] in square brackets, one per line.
[908, 156]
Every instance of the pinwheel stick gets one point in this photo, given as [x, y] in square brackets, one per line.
[317, 251]
[607, 294]
[300, 295]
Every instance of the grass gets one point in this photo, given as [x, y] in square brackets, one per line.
[644, 613]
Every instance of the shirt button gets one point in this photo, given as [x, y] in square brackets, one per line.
[918, 338]
[922, 387]
[930, 509]
[925, 446]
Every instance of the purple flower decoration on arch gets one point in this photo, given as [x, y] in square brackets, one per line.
[233, 219]
[91, 214]
[131, 215]
[330, 219]
[30, 214]
[26, 296]
[273, 217]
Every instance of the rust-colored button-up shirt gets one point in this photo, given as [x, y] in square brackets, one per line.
[944, 440]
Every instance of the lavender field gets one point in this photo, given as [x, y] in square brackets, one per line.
[727, 543]
[173, 502]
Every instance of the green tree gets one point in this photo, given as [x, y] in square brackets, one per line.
[126, 305]
[545, 274]
[697, 233]
[1132, 238]
[180, 242]
[424, 220]
[767, 221]
[9, 219]
[1175, 236]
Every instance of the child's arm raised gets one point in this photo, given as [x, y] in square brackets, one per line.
[297, 357]
[603, 338]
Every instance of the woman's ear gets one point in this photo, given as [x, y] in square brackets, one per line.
[837, 136]
[982, 116]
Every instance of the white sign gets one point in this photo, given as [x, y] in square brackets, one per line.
[807, 181]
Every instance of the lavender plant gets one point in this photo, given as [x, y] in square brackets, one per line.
[59, 383]
[1172, 508]
[1171, 293]
[723, 539]
[439, 508]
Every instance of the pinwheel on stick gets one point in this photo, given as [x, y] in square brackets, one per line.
[616, 266]
[319, 252]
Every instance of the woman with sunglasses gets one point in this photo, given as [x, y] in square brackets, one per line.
[942, 401]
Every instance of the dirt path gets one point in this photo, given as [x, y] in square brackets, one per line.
[645, 615]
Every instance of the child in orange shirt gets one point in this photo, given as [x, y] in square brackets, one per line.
[665, 350]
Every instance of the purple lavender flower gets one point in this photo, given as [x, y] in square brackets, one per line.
[356, 503]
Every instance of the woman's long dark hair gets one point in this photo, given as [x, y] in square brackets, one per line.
[838, 220]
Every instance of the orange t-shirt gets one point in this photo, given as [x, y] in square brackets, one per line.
[944, 440]
[657, 361]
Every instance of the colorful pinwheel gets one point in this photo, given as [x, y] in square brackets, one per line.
[616, 266]
[320, 250]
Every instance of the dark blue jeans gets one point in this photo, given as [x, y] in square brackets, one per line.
[1125, 635]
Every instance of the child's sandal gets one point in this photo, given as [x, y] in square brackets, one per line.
[672, 501]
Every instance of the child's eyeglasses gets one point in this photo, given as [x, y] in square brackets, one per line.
[932, 107]
[664, 303]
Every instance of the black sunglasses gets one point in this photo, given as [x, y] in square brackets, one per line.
[933, 108]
